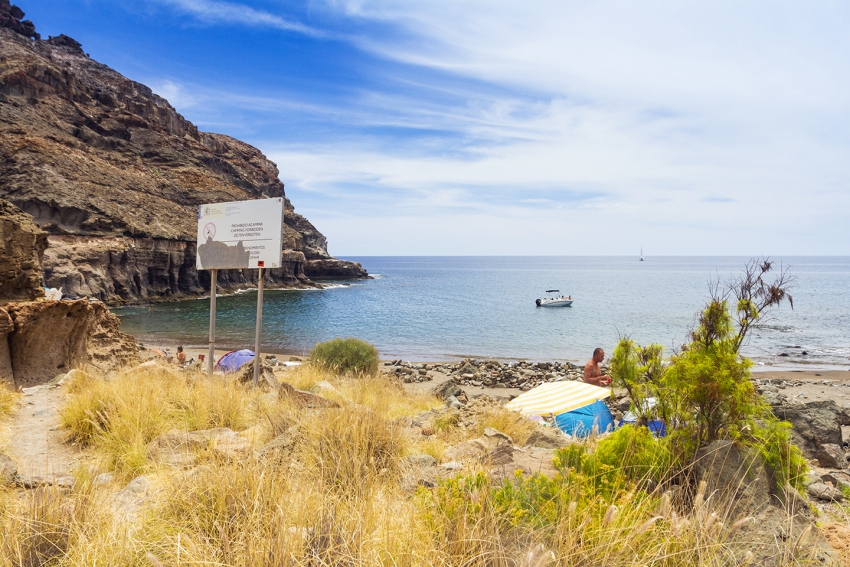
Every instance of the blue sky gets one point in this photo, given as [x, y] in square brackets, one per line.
[406, 128]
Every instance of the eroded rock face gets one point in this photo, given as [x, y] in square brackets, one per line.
[22, 245]
[52, 337]
[126, 175]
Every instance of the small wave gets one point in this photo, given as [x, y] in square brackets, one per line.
[779, 328]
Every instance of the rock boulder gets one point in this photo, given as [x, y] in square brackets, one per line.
[739, 486]
[52, 337]
[814, 423]
[832, 456]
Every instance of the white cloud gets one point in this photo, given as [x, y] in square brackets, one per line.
[216, 12]
[576, 128]
[174, 93]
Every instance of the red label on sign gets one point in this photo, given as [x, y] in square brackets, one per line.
[260, 263]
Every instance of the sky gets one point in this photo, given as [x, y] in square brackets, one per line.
[514, 128]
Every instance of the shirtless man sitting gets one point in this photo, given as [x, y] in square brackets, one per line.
[592, 373]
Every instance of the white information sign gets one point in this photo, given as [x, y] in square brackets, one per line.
[240, 234]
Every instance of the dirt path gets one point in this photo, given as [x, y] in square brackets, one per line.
[36, 443]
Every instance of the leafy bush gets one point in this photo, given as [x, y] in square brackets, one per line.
[635, 453]
[346, 356]
[705, 393]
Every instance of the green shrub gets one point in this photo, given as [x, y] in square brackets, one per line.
[705, 392]
[346, 356]
[635, 453]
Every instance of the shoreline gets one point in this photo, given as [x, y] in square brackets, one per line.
[191, 350]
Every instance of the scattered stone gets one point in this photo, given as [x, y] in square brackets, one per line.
[493, 447]
[226, 443]
[839, 479]
[304, 399]
[104, 478]
[283, 444]
[831, 455]
[8, 470]
[266, 379]
[823, 491]
[176, 448]
[127, 504]
[447, 389]
[36, 481]
[548, 438]
[471, 449]
[179, 448]
[422, 460]
[497, 436]
[501, 454]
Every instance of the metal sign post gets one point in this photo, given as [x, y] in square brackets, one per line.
[239, 235]
[213, 279]
[257, 361]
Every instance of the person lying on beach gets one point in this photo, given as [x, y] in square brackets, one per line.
[592, 372]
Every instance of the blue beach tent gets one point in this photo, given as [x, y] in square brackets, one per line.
[231, 361]
[576, 406]
[580, 422]
[656, 426]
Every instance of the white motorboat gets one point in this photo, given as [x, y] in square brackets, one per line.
[555, 301]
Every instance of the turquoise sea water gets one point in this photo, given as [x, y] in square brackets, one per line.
[444, 308]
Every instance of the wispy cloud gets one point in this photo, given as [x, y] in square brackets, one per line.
[592, 124]
[216, 12]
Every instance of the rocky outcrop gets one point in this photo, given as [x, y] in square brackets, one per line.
[12, 17]
[48, 338]
[813, 424]
[126, 174]
[22, 245]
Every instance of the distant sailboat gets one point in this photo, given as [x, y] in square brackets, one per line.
[641, 253]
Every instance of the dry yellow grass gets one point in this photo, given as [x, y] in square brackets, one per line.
[8, 400]
[335, 494]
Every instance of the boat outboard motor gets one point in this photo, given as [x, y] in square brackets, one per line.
[537, 303]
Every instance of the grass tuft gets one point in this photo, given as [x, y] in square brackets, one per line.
[8, 401]
[346, 356]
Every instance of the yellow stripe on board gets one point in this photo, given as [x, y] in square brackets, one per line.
[557, 397]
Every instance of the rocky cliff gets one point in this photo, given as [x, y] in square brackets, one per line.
[40, 339]
[22, 245]
[114, 174]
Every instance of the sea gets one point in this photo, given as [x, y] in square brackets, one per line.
[446, 308]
